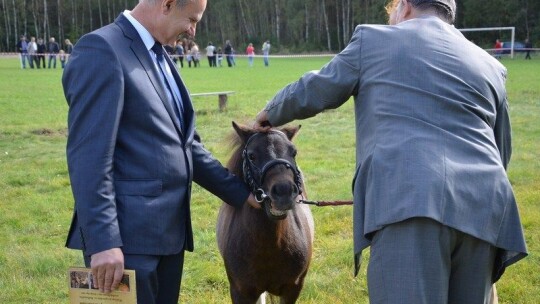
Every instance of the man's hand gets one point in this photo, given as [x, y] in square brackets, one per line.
[253, 202]
[261, 122]
[107, 269]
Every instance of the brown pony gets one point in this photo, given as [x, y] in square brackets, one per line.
[267, 249]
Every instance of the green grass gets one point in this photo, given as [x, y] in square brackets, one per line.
[36, 201]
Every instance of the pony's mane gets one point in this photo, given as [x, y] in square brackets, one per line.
[236, 145]
[235, 161]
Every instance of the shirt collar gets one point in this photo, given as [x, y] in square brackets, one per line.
[146, 37]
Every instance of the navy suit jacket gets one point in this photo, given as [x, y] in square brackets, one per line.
[131, 166]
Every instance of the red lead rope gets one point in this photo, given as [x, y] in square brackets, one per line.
[326, 203]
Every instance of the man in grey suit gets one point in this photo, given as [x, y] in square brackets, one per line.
[133, 151]
[431, 195]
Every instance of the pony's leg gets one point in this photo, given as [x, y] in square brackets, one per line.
[291, 292]
[290, 295]
[494, 299]
[262, 298]
[239, 297]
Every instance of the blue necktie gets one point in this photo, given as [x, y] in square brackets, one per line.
[168, 79]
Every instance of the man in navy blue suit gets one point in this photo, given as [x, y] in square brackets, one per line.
[133, 152]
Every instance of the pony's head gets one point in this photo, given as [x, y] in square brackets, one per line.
[266, 162]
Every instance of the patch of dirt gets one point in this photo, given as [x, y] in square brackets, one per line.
[49, 132]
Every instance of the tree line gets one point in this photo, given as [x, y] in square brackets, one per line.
[293, 26]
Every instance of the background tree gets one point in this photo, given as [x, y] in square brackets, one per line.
[291, 25]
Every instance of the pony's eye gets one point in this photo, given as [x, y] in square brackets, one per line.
[294, 152]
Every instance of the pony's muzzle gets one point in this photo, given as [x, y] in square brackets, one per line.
[283, 194]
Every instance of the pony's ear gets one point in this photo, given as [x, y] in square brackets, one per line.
[291, 131]
[243, 131]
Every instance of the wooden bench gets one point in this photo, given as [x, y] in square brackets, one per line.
[222, 97]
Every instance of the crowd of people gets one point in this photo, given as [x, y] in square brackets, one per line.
[189, 50]
[37, 54]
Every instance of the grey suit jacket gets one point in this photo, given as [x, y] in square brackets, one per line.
[432, 130]
[131, 166]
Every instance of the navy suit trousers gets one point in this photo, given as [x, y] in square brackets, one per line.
[158, 278]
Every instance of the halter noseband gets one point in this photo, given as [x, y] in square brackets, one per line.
[254, 177]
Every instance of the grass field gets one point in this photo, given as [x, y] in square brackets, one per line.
[36, 202]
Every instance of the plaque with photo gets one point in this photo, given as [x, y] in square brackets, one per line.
[82, 290]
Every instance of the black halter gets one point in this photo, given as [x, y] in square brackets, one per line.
[254, 176]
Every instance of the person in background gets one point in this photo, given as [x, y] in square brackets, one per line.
[62, 56]
[169, 49]
[195, 55]
[41, 50]
[133, 151]
[68, 48]
[174, 56]
[233, 56]
[250, 51]
[211, 54]
[52, 48]
[219, 57]
[189, 58]
[22, 48]
[433, 140]
[266, 52]
[180, 52]
[32, 51]
[498, 48]
[528, 47]
[228, 50]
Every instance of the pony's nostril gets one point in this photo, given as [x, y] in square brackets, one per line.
[282, 190]
[296, 190]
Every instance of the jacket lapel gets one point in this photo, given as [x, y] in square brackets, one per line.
[142, 54]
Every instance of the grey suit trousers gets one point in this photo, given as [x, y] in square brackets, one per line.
[422, 261]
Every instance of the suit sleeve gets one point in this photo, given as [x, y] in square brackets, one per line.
[94, 88]
[209, 173]
[503, 133]
[316, 91]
